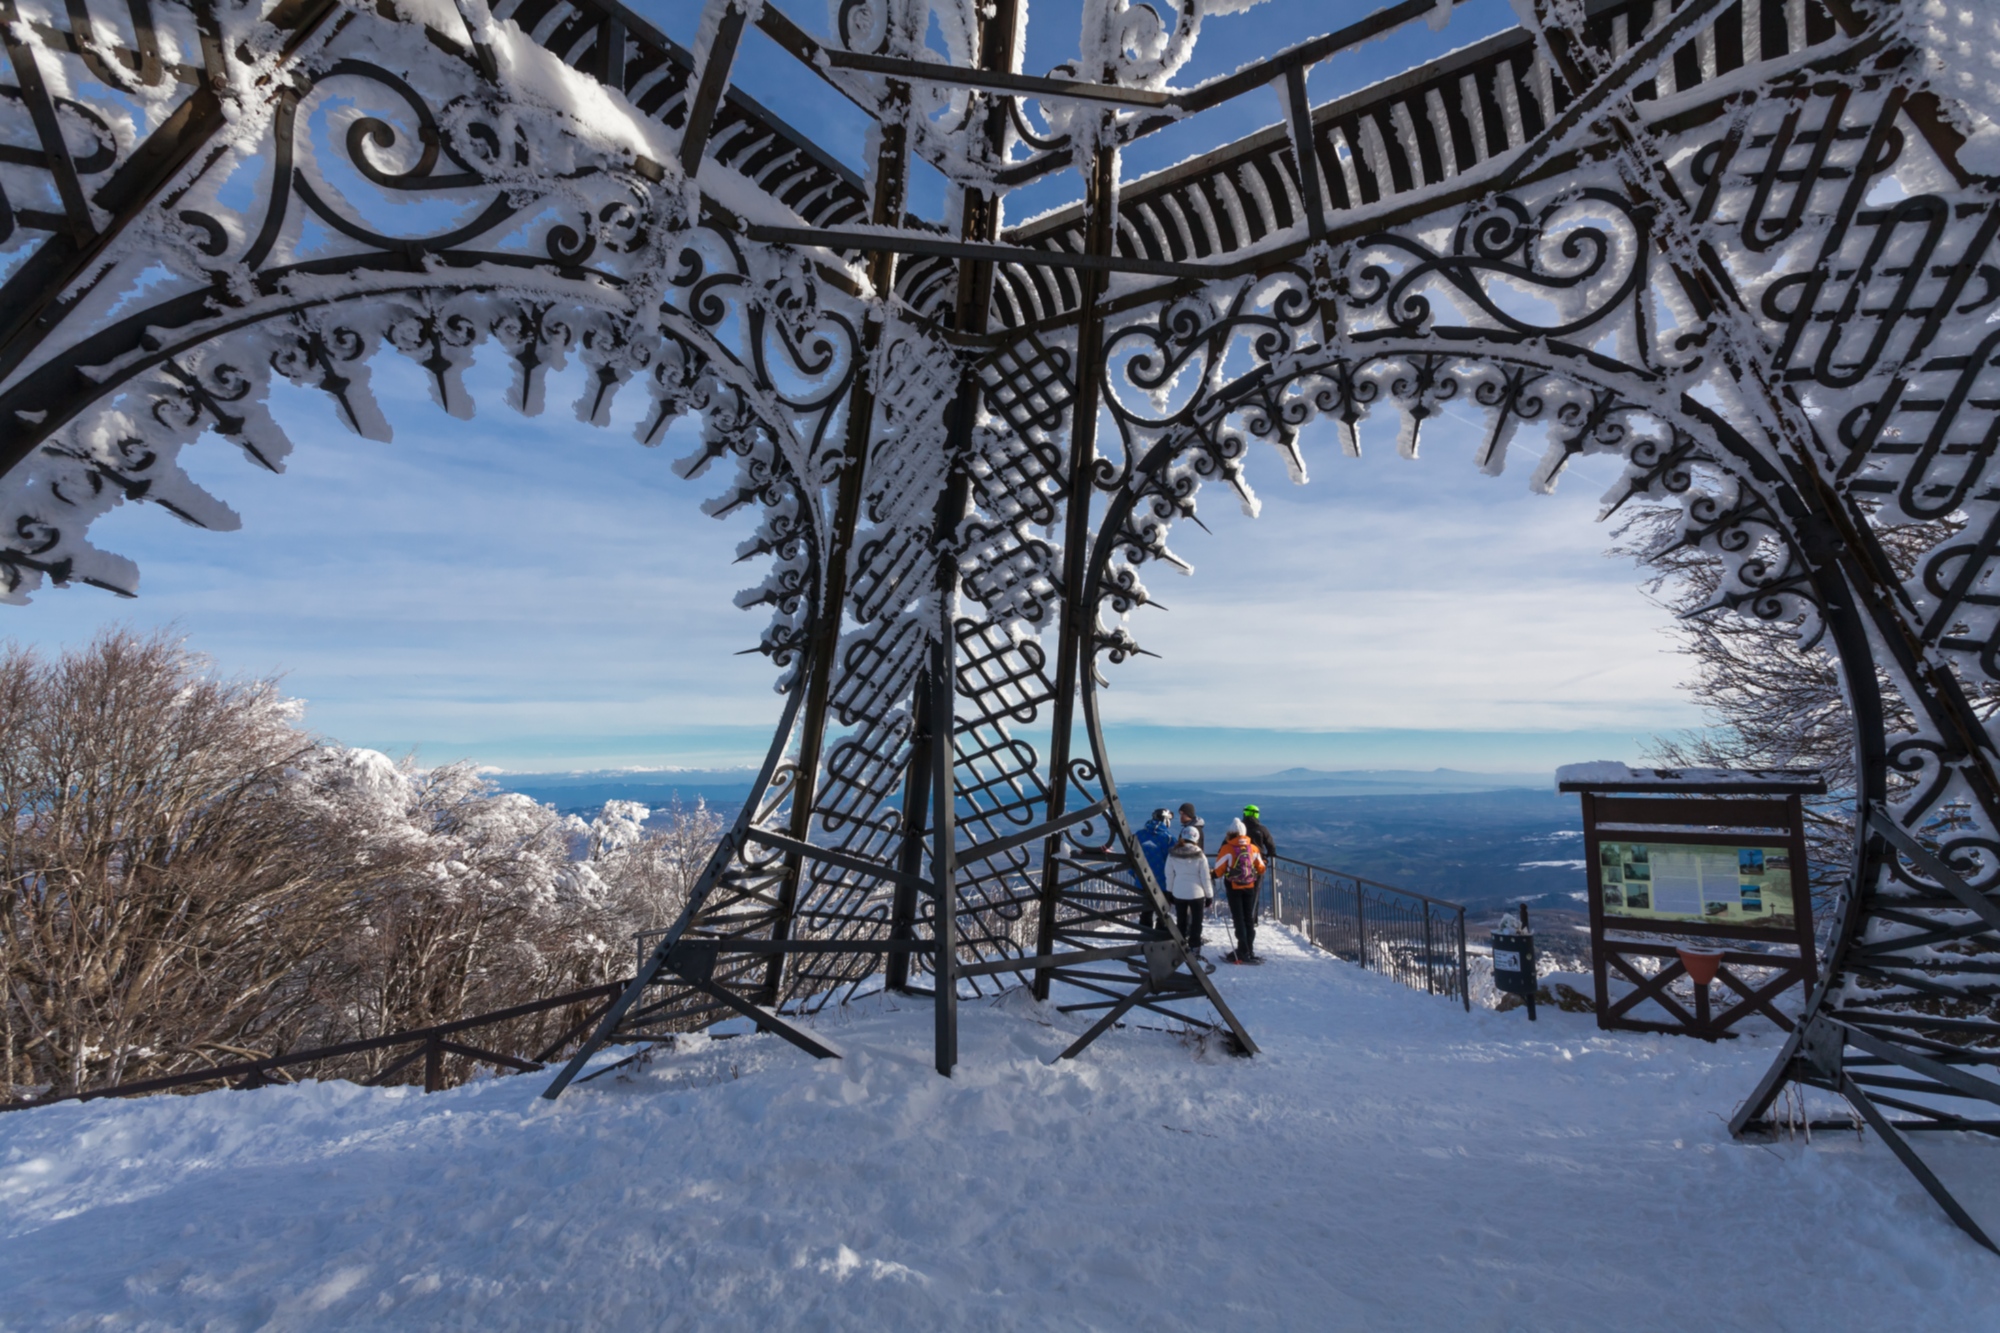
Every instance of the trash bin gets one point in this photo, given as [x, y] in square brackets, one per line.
[1514, 970]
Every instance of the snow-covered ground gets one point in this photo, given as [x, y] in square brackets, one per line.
[1388, 1162]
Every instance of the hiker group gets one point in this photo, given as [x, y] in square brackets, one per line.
[1181, 867]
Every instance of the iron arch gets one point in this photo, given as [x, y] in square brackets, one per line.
[1813, 574]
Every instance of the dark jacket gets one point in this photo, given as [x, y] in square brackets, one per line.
[1261, 836]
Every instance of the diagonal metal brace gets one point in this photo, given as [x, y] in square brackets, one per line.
[693, 960]
[1912, 1163]
[1933, 865]
[982, 851]
[1103, 1025]
[1163, 957]
[726, 850]
[860, 865]
[1960, 1082]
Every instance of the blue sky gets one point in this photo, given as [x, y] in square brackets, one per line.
[535, 594]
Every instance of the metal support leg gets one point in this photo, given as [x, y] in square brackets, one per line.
[888, 190]
[1076, 620]
[694, 962]
[943, 860]
[917, 784]
[725, 851]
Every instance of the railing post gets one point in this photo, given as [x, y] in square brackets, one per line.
[1430, 975]
[1465, 975]
[1361, 923]
[1407, 942]
[434, 1063]
[1312, 914]
[1355, 884]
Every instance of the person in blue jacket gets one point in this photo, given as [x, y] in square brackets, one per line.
[1156, 839]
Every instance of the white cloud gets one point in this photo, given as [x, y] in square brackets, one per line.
[1404, 594]
[506, 578]
[540, 594]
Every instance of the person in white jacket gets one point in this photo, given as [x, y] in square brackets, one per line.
[1188, 885]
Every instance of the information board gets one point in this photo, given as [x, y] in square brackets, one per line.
[1718, 872]
[1719, 883]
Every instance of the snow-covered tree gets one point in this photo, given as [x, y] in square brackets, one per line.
[161, 878]
[1772, 700]
[192, 878]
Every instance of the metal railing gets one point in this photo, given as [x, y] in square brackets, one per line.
[434, 1045]
[1420, 941]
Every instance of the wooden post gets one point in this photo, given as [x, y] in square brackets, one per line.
[1593, 877]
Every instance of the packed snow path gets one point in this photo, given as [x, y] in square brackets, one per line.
[1389, 1162]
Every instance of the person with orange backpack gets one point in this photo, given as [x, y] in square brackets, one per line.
[1240, 867]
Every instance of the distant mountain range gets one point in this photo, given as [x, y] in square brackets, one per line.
[1371, 782]
[586, 792]
[1488, 848]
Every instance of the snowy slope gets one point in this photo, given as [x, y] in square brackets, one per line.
[1390, 1162]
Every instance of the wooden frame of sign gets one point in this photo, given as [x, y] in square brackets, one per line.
[1660, 846]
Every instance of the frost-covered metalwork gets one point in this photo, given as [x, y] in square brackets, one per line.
[1749, 248]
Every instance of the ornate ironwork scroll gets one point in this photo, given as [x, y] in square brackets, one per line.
[1745, 247]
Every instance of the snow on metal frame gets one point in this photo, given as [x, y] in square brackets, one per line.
[1745, 247]
[538, 212]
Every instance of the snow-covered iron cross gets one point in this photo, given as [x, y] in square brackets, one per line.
[1748, 247]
